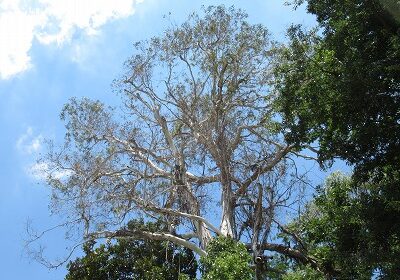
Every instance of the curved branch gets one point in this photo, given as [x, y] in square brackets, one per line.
[160, 236]
[292, 253]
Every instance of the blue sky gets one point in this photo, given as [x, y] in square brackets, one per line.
[52, 50]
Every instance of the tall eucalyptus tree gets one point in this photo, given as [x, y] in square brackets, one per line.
[197, 121]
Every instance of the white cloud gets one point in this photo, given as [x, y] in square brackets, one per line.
[40, 171]
[50, 21]
[28, 143]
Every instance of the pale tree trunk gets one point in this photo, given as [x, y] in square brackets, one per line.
[228, 214]
[227, 219]
[227, 197]
[257, 223]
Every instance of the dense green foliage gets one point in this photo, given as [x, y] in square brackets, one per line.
[353, 230]
[226, 259]
[339, 87]
[342, 87]
[134, 259]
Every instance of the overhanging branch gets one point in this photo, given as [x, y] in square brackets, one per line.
[139, 234]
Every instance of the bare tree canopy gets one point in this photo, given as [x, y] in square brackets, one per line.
[196, 143]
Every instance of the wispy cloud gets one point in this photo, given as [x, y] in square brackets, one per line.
[41, 171]
[50, 21]
[28, 143]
